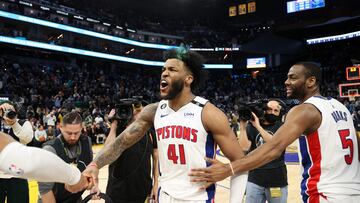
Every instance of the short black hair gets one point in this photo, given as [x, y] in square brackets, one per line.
[72, 118]
[311, 69]
[193, 61]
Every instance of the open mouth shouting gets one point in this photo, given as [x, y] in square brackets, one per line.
[163, 85]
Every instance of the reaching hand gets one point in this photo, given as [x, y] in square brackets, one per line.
[84, 183]
[95, 191]
[210, 175]
[92, 173]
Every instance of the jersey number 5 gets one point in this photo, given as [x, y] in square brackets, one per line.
[172, 154]
[347, 143]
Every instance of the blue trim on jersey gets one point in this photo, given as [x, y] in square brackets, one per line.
[209, 201]
[158, 195]
[306, 163]
[324, 98]
[210, 153]
[159, 168]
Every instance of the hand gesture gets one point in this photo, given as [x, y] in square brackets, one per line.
[92, 173]
[83, 184]
[215, 172]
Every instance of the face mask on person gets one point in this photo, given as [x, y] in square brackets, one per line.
[271, 118]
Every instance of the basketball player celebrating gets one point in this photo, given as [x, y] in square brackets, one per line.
[187, 127]
[30, 162]
[329, 147]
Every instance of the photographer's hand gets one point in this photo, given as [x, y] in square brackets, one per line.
[264, 134]
[113, 126]
[112, 113]
[255, 122]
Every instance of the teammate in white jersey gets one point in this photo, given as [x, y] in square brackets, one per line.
[187, 127]
[329, 146]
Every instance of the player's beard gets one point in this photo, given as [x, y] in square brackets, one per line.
[297, 93]
[175, 89]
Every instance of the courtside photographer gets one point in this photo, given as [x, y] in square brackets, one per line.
[130, 178]
[15, 190]
[259, 121]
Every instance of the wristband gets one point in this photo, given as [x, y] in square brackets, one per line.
[232, 170]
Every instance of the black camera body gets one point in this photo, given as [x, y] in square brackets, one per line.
[9, 113]
[124, 112]
[258, 107]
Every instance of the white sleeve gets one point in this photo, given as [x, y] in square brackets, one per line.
[35, 163]
[237, 187]
[25, 132]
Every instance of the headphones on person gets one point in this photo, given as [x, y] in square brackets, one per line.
[101, 195]
[283, 109]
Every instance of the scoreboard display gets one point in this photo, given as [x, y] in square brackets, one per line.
[256, 62]
[353, 73]
[300, 5]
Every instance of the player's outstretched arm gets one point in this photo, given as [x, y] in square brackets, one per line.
[304, 118]
[30, 162]
[132, 134]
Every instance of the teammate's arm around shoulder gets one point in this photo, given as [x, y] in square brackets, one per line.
[301, 119]
[216, 122]
[304, 118]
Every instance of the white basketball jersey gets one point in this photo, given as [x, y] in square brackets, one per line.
[329, 156]
[183, 143]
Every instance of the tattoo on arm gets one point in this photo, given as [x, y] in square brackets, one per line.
[127, 138]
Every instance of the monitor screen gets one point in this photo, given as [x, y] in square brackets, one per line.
[256, 62]
[300, 5]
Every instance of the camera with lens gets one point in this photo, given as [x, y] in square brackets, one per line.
[257, 107]
[124, 112]
[9, 113]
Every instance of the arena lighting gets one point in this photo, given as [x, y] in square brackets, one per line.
[79, 17]
[28, 43]
[25, 3]
[92, 20]
[81, 31]
[333, 38]
[62, 12]
[44, 8]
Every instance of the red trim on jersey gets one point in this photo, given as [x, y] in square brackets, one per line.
[315, 169]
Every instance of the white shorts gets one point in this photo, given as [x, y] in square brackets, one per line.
[342, 199]
[166, 198]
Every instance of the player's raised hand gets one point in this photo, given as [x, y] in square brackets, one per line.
[215, 172]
